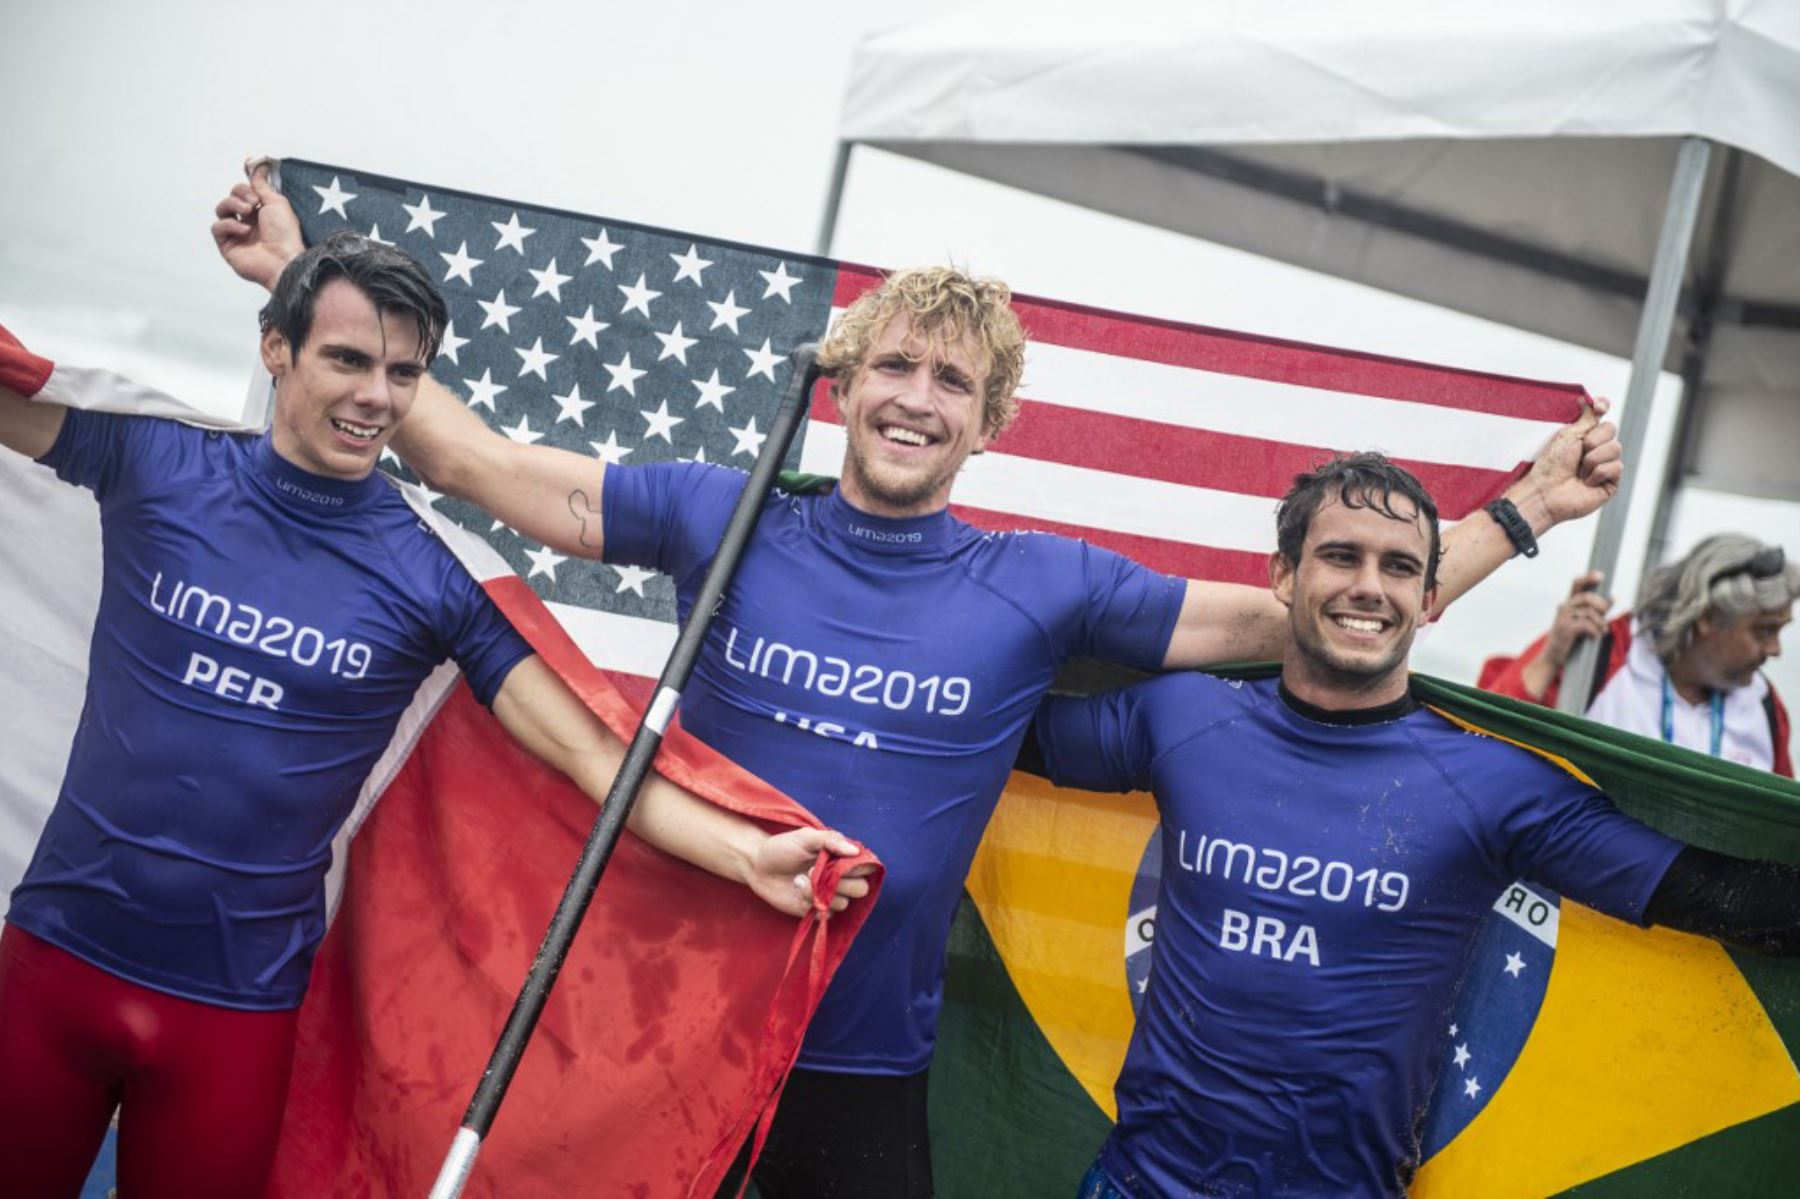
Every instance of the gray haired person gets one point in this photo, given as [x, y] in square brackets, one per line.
[1686, 664]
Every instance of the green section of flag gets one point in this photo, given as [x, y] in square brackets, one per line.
[1724, 806]
[1007, 1117]
[1754, 1160]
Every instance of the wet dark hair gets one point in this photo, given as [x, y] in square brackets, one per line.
[1357, 481]
[392, 280]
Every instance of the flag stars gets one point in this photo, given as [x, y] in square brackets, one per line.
[1515, 964]
[544, 562]
[484, 391]
[726, 312]
[1471, 1087]
[624, 375]
[522, 432]
[610, 451]
[375, 236]
[422, 216]
[451, 343]
[1461, 1056]
[779, 282]
[689, 265]
[632, 578]
[549, 282]
[699, 454]
[763, 361]
[572, 406]
[460, 265]
[711, 392]
[600, 250]
[1454, 1031]
[586, 328]
[333, 198]
[534, 360]
[499, 312]
[660, 423]
[638, 296]
[512, 234]
[674, 345]
[749, 441]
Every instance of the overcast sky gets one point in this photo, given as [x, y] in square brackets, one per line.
[127, 121]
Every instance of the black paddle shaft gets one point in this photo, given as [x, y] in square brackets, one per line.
[639, 755]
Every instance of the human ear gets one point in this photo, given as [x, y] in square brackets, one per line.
[1281, 578]
[275, 353]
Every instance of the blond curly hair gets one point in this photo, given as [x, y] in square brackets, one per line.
[944, 303]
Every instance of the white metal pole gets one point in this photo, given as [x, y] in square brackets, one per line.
[1658, 318]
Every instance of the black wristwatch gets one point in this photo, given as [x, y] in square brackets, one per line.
[1516, 528]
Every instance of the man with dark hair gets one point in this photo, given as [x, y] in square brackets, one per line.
[269, 605]
[1686, 664]
[1329, 848]
[893, 699]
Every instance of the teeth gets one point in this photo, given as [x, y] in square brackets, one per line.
[365, 432]
[903, 436]
[1359, 626]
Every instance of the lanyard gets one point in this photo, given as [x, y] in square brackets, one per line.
[1668, 717]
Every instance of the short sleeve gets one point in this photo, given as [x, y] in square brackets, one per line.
[669, 515]
[1131, 610]
[1100, 743]
[1564, 834]
[481, 640]
[99, 450]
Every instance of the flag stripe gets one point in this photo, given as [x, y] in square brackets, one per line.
[1038, 492]
[1170, 557]
[1198, 348]
[1196, 457]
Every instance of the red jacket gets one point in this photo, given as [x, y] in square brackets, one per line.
[1505, 676]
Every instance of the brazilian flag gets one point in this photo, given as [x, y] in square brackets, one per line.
[1590, 1059]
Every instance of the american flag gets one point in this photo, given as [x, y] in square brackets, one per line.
[1167, 442]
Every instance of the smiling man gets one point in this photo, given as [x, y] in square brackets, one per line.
[877, 658]
[1329, 850]
[269, 605]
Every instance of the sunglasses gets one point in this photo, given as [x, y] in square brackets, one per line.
[1764, 564]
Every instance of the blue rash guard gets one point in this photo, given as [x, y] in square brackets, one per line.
[260, 631]
[882, 672]
[1321, 887]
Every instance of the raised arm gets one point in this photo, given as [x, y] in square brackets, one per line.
[547, 718]
[1574, 475]
[549, 495]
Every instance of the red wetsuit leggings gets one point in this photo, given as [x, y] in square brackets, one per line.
[200, 1088]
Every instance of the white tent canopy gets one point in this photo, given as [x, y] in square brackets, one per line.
[1511, 161]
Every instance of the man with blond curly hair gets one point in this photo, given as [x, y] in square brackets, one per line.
[877, 658]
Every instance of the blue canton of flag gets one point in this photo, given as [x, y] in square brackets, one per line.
[617, 341]
[1502, 989]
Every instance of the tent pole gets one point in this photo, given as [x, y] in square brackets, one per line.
[840, 171]
[1709, 286]
[1658, 317]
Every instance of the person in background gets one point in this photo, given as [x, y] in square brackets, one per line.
[1686, 664]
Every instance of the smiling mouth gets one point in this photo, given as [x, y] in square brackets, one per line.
[903, 436]
[1360, 624]
[355, 431]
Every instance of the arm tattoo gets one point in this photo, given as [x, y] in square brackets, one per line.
[584, 510]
